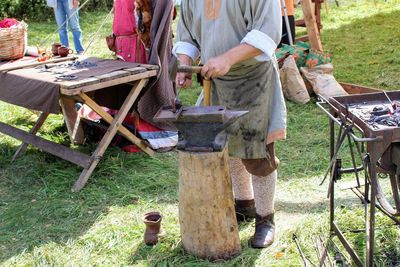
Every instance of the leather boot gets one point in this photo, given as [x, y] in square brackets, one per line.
[153, 225]
[265, 231]
[245, 210]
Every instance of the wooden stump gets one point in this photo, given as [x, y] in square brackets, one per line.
[207, 217]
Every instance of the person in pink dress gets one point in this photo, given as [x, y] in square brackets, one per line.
[143, 34]
[129, 46]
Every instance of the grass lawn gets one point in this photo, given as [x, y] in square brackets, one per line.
[43, 224]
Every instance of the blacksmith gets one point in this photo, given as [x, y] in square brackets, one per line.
[236, 40]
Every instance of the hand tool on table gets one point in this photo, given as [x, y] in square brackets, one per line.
[35, 63]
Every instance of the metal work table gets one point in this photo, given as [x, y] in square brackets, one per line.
[369, 143]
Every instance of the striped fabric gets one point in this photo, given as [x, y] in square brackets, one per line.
[155, 137]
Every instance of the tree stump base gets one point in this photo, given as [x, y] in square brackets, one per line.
[207, 216]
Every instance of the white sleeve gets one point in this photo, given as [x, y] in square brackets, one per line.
[262, 42]
[186, 43]
[186, 49]
[264, 26]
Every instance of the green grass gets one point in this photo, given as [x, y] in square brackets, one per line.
[43, 224]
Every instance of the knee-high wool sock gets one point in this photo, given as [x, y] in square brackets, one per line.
[241, 180]
[264, 193]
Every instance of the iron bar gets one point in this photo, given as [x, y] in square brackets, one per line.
[351, 170]
[353, 160]
[346, 245]
[294, 238]
[361, 196]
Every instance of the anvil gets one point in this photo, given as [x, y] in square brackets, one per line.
[200, 128]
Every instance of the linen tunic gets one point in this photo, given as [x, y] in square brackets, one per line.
[209, 28]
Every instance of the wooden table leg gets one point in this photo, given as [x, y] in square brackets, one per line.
[72, 121]
[22, 148]
[109, 135]
[121, 129]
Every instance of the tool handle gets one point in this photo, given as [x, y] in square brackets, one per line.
[189, 69]
[35, 63]
[207, 92]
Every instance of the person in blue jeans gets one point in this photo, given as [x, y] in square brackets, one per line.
[66, 14]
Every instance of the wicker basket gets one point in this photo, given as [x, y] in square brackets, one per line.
[13, 42]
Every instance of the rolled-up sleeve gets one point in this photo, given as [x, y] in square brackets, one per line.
[186, 48]
[264, 27]
[186, 43]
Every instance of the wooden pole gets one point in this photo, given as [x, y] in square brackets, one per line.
[311, 24]
[327, 7]
[207, 216]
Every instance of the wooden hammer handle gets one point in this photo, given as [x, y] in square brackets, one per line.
[207, 92]
[189, 69]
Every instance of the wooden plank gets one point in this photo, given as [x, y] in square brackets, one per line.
[112, 75]
[22, 148]
[72, 120]
[80, 83]
[136, 70]
[121, 129]
[60, 151]
[149, 67]
[36, 63]
[109, 135]
[94, 80]
[101, 85]
[311, 24]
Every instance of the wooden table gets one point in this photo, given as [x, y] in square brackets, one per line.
[72, 91]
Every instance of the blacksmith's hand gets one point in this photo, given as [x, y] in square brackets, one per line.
[183, 80]
[216, 67]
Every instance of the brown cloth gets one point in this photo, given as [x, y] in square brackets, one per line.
[161, 90]
[34, 89]
[262, 167]
[30, 89]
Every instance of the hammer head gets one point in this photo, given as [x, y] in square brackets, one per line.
[173, 68]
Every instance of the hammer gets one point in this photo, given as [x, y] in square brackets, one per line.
[174, 68]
